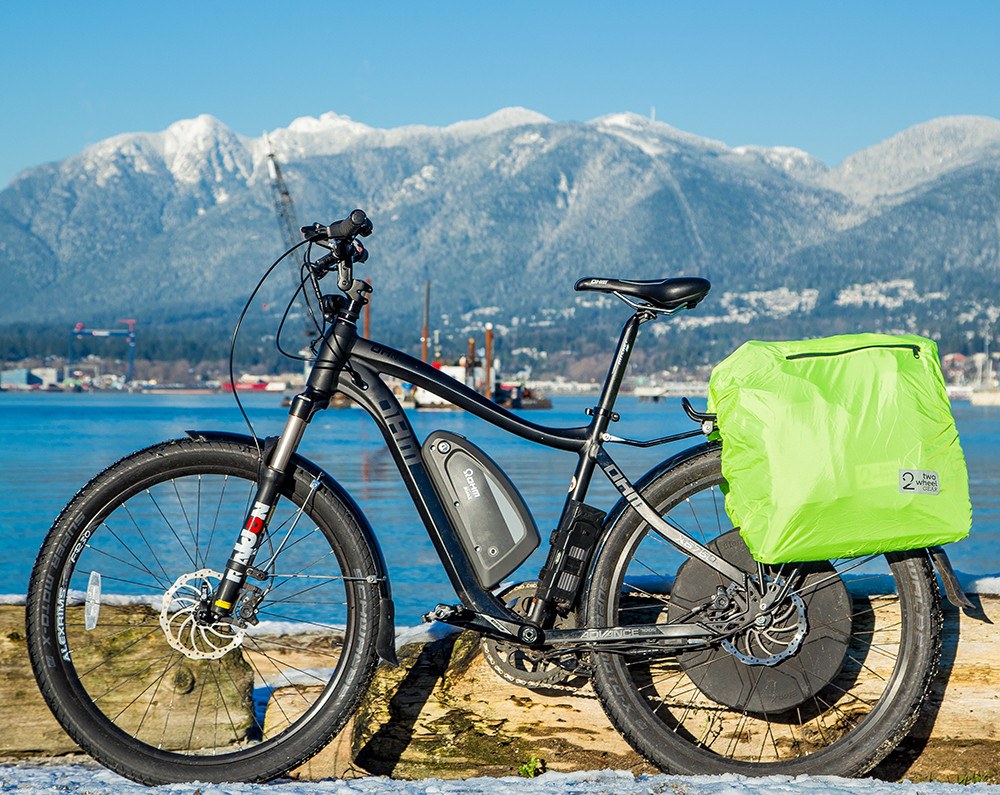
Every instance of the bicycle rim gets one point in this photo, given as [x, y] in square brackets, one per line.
[149, 675]
[821, 692]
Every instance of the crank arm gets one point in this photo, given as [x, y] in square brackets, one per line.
[508, 631]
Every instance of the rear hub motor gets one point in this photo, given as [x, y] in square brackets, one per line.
[791, 651]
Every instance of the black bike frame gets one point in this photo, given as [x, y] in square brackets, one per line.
[354, 365]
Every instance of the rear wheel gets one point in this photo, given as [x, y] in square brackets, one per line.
[829, 683]
[154, 690]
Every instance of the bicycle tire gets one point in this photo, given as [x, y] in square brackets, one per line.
[680, 718]
[120, 660]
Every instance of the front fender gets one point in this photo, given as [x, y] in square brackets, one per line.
[385, 644]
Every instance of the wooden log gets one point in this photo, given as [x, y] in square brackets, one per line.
[159, 709]
[445, 713]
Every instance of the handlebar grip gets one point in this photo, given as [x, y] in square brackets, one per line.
[357, 223]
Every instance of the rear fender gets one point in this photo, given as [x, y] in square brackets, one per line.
[952, 588]
[385, 644]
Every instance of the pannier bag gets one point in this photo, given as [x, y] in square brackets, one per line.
[839, 447]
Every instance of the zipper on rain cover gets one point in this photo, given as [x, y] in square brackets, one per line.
[909, 346]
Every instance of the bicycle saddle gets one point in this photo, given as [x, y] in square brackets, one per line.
[664, 294]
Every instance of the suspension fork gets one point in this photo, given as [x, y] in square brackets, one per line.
[320, 386]
[269, 485]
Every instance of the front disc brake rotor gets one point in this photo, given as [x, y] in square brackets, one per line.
[196, 639]
[776, 664]
[525, 667]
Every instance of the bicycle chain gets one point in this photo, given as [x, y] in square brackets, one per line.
[523, 667]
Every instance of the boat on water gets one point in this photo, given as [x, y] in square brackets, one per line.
[259, 385]
[985, 397]
[519, 396]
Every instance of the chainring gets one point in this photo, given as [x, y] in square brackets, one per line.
[526, 667]
[779, 666]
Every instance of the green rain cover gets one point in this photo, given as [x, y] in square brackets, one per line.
[839, 447]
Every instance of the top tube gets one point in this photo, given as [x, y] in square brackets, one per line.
[384, 359]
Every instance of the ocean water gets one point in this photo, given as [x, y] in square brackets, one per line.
[54, 443]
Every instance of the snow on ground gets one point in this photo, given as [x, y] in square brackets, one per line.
[85, 780]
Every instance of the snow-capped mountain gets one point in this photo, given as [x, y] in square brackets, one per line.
[508, 211]
[916, 157]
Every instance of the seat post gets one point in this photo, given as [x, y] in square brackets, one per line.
[603, 414]
[541, 611]
[616, 372]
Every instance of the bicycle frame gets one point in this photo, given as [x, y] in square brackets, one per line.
[354, 365]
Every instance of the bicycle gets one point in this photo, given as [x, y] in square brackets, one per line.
[171, 652]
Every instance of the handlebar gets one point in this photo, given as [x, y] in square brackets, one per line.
[340, 238]
[357, 224]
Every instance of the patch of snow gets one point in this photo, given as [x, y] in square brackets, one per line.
[521, 152]
[275, 628]
[24, 778]
[104, 161]
[203, 148]
[504, 119]
[788, 159]
[979, 584]
[654, 137]
[651, 148]
[309, 136]
[423, 633]
[332, 133]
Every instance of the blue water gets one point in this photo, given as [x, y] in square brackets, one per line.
[54, 443]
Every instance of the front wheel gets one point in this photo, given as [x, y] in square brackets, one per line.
[829, 684]
[136, 673]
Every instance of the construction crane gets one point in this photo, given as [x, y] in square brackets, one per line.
[284, 207]
[288, 224]
[80, 330]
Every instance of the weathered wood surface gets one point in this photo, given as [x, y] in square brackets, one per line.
[158, 709]
[444, 713]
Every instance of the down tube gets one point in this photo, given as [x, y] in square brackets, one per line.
[379, 401]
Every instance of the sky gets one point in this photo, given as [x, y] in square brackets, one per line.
[827, 77]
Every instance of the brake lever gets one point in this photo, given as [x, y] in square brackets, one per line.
[315, 233]
[360, 252]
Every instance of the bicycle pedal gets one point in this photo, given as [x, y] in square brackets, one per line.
[443, 613]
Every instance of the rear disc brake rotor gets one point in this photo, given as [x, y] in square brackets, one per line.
[781, 665]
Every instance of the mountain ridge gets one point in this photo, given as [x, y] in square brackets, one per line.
[509, 211]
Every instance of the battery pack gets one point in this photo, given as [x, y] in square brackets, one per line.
[496, 528]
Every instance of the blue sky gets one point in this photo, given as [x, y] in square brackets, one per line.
[827, 77]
